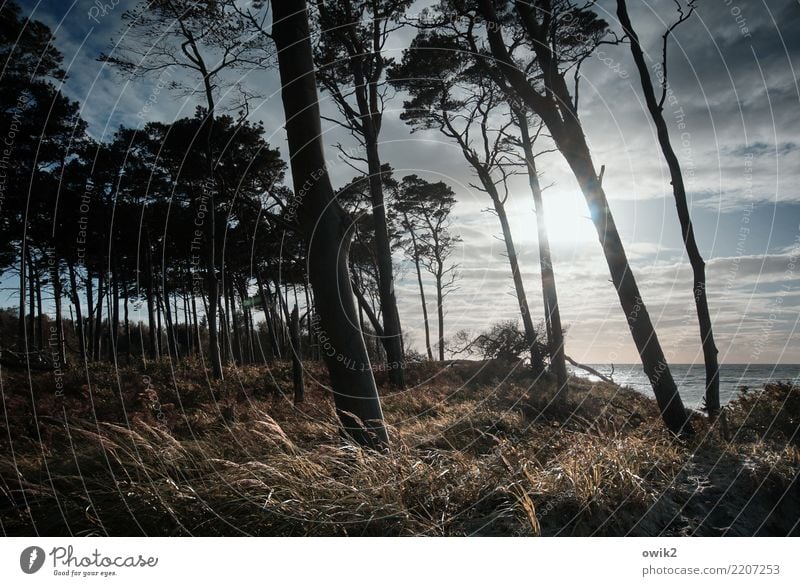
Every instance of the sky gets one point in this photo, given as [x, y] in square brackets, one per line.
[733, 118]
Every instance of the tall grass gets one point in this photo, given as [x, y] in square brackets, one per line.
[474, 451]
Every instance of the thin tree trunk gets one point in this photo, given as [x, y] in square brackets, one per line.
[32, 305]
[325, 228]
[21, 323]
[56, 278]
[555, 332]
[73, 285]
[98, 325]
[273, 339]
[687, 229]
[129, 344]
[39, 313]
[393, 336]
[440, 312]
[511, 251]
[297, 358]
[89, 315]
[421, 290]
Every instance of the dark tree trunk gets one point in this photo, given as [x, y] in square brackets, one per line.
[159, 331]
[172, 344]
[421, 291]
[56, 278]
[297, 358]
[32, 344]
[128, 338]
[39, 314]
[440, 312]
[555, 332]
[21, 324]
[89, 315]
[687, 229]
[516, 275]
[557, 112]
[326, 229]
[392, 333]
[273, 339]
[98, 324]
[76, 302]
[115, 314]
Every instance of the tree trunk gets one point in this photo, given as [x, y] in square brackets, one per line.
[21, 324]
[421, 291]
[440, 312]
[393, 336]
[56, 278]
[40, 338]
[555, 332]
[73, 285]
[273, 339]
[297, 358]
[98, 323]
[326, 231]
[32, 306]
[89, 315]
[644, 335]
[516, 275]
[687, 229]
[129, 344]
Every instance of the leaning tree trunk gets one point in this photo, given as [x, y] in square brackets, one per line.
[687, 229]
[556, 110]
[549, 293]
[421, 289]
[644, 334]
[325, 227]
[73, 292]
[393, 336]
[511, 251]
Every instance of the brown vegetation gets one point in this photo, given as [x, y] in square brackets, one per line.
[478, 448]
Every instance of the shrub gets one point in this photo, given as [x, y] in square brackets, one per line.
[505, 342]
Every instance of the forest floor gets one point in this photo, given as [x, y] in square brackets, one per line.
[477, 449]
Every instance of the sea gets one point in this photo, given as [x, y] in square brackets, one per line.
[691, 378]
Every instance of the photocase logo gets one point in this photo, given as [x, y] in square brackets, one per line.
[31, 559]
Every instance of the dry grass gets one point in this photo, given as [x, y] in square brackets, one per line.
[476, 450]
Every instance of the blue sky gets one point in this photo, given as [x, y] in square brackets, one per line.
[734, 121]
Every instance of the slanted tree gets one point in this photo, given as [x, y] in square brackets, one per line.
[535, 46]
[552, 313]
[655, 106]
[326, 230]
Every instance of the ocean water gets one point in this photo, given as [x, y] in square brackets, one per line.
[691, 378]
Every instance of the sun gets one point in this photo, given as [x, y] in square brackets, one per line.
[567, 219]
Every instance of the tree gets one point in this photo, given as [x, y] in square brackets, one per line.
[552, 312]
[201, 38]
[548, 40]
[655, 105]
[457, 98]
[422, 209]
[351, 60]
[325, 229]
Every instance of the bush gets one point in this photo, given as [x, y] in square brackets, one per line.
[770, 413]
[505, 342]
